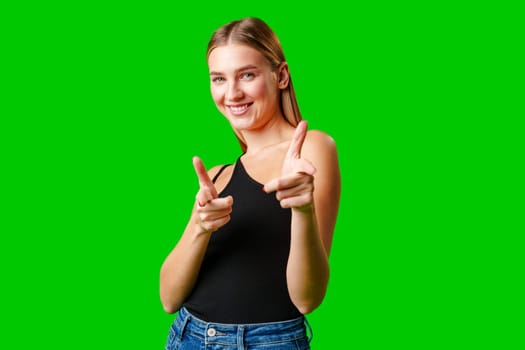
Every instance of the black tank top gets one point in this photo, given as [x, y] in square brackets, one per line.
[243, 275]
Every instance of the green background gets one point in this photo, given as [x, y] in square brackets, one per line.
[104, 103]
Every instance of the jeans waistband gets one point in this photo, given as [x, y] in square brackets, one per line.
[248, 334]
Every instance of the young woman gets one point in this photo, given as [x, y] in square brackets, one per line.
[253, 259]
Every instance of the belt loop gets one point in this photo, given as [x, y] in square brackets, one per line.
[309, 330]
[240, 338]
[185, 320]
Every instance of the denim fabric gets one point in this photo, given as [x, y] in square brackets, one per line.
[191, 333]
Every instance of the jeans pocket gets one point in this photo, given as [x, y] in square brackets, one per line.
[173, 340]
[303, 344]
[297, 344]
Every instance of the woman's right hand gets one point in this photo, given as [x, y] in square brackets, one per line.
[211, 211]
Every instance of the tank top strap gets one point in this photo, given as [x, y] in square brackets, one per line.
[219, 172]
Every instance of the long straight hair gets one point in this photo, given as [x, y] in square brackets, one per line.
[255, 33]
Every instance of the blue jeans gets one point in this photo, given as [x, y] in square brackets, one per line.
[191, 333]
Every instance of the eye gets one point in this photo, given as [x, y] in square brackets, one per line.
[247, 76]
[217, 80]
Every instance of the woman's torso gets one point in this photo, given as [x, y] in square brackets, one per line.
[243, 275]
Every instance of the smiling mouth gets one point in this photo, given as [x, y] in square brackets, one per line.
[239, 109]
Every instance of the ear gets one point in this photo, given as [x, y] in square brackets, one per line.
[283, 76]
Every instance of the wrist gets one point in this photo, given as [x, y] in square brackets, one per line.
[199, 231]
[304, 210]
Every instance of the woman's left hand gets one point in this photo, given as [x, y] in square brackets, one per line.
[295, 187]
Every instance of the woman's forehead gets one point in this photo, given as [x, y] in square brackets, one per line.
[235, 56]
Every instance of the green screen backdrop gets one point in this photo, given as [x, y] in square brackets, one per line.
[105, 103]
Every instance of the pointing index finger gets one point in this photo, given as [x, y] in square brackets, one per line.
[294, 151]
[202, 174]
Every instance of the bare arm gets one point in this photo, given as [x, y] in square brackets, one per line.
[180, 269]
[314, 213]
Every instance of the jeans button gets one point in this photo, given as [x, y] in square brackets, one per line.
[211, 332]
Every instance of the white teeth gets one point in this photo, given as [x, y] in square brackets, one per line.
[239, 109]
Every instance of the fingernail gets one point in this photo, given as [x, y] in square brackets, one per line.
[263, 189]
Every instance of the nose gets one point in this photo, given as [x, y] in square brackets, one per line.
[234, 92]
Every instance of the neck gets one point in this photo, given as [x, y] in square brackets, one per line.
[274, 132]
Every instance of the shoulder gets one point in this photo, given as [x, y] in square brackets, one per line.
[318, 144]
[220, 175]
[320, 149]
[321, 137]
[216, 169]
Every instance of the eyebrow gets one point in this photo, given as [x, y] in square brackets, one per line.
[247, 67]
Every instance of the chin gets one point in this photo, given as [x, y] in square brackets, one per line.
[240, 123]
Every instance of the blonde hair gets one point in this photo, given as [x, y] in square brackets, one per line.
[256, 34]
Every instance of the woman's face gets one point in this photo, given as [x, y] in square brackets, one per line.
[243, 86]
